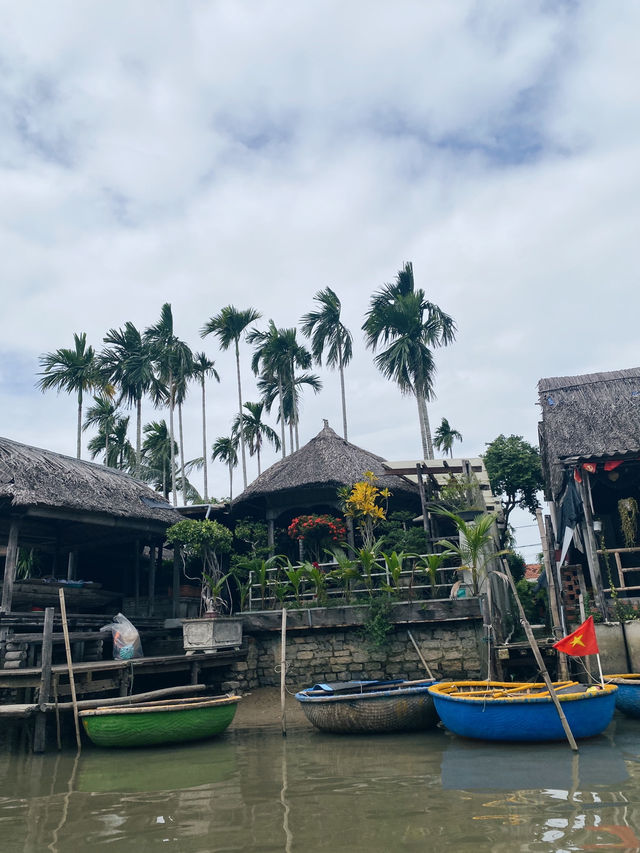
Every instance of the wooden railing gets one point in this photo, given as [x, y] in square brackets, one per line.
[617, 553]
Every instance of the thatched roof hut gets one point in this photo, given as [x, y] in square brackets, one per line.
[593, 417]
[311, 476]
[61, 500]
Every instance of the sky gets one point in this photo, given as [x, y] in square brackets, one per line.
[252, 153]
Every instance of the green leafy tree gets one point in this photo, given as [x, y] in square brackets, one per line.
[229, 326]
[444, 437]
[475, 547]
[409, 327]
[203, 543]
[71, 370]
[268, 388]
[225, 449]
[515, 473]
[103, 415]
[157, 456]
[255, 430]
[326, 331]
[126, 363]
[119, 452]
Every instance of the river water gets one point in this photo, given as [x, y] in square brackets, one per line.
[253, 790]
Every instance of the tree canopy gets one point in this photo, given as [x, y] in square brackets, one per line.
[515, 473]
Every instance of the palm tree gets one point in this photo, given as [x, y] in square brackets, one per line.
[158, 462]
[226, 450]
[444, 437]
[103, 415]
[229, 326]
[73, 371]
[475, 545]
[119, 452]
[172, 359]
[276, 358]
[325, 329]
[401, 318]
[128, 364]
[203, 367]
[255, 429]
[268, 387]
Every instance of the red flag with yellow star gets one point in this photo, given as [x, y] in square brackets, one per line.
[581, 642]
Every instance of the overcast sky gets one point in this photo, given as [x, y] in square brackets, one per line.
[207, 153]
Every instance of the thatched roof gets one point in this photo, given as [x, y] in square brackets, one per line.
[595, 416]
[323, 465]
[39, 483]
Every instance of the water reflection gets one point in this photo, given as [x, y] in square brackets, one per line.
[257, 791]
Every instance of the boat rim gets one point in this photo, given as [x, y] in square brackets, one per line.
[423, 687]
[155, 707]
[439, 690]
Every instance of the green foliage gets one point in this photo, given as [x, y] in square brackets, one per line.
[515, 473]
[628, 512]
[460, 493]
[250, 538]
[475, 548]
[430, 564]
[201, 541]
[377, 626]
[347, 572]
[295, 576]
[399, 533]
[533, 600]
[516, 564]
[319, 580]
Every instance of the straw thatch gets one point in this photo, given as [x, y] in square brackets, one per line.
[595, 416]
[39, 483]
[316, 471]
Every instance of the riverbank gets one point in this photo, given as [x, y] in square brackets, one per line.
[261, 709]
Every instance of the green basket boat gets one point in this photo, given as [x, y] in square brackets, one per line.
[158, 723]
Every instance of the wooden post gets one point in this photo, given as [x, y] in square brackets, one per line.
[563, 669]
[71, 565]
[72, 683]
[40, 732]
[539, 660]
[155, 557]
[283, 671]
[176, 581]
[136, 576]
[10, 564]
[271, 540]
[592, 548]
[423, 504]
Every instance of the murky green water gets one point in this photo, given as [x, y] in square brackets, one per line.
[257, 791]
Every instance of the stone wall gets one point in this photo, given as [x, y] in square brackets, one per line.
[452, 650]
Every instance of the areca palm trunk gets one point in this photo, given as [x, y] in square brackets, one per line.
[138, 434]
[281, 403]
[180, 433]
[172, 460]
[230, 485]
[204, 440]
[242, 450]
[342, 391]
[79, 442]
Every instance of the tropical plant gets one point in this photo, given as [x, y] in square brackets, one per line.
[401, 319]
[157, 455]
[444, 437]
[367, 558]
[229, 325]
[317, 532]
[319, 581]
[394, 565]
[126, 363]
[103, 414]
[225, 449]
[363, 502]
[326, 330]
[515, 473]
[255, 430]
[173, 361]
[258, 571]
[119, 452]
[292, 394]
[203, 367]
[71, 370]
[475, 545]
[295, 576]
[430, 565]
[346, 572]
[378, 626]
[628, 512]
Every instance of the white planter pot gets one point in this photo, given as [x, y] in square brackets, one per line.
[208, 635]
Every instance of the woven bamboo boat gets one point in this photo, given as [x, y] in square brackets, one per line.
[161, 722]
[511, 711]
[628, 695]
[369, 706]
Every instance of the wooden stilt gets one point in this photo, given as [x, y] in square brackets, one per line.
[39, 737]
[283, 671]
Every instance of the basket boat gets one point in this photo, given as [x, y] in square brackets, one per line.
[369, 706]
[628, 695]
[511, 711]
[161, 722]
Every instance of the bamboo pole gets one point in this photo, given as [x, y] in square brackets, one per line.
[72, 683]
[420, 655]
[536, 653]
[563, 669]
[283, 671]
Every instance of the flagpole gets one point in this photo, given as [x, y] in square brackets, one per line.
[539, 660]
[600, 668]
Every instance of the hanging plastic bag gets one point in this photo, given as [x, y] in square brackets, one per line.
[126, 640]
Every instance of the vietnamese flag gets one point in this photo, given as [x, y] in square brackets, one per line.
[581, 642]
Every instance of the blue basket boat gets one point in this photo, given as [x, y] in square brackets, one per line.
[370, 706]
[628, 695]
[518, 712]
